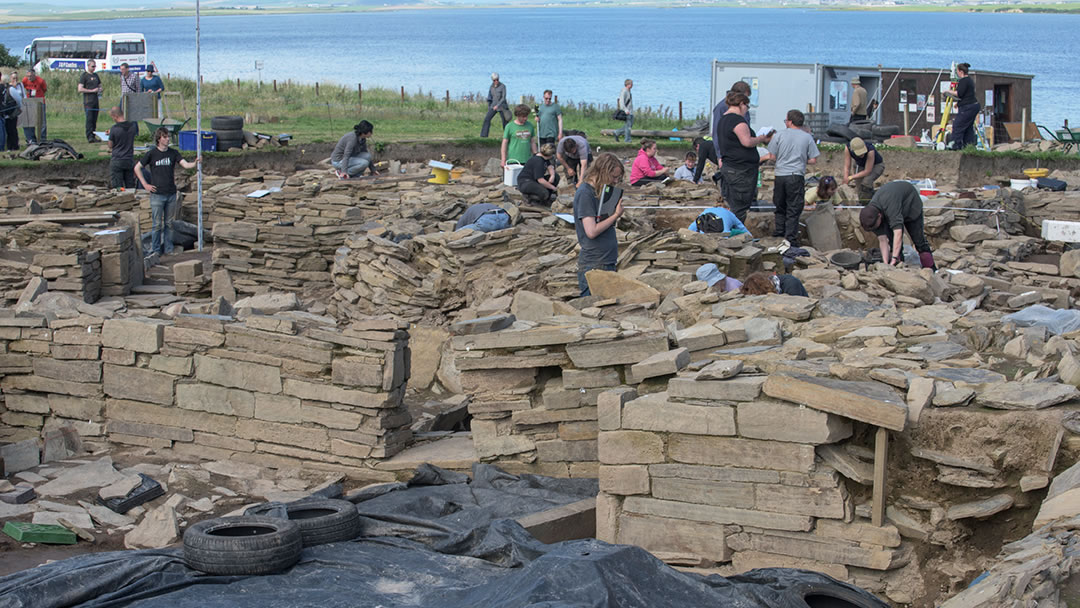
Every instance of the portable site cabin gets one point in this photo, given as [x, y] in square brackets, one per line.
[825, 91]
[1004, 97]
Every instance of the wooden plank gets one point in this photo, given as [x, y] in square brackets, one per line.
[60, 218]
[655, 133]
[881, 457]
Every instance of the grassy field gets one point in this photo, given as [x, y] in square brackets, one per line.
[326, 116]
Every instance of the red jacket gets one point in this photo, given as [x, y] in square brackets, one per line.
[36, 88]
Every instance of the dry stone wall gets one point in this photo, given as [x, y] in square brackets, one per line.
[270, 390]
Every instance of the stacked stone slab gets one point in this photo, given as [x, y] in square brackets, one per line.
[712, 470]
[441, 271]
[76, 273]
[190, 279]
[118, 258]
[284, 258]
[271, 390]
[86, 198]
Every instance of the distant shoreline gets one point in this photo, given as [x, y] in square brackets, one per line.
[11, 21]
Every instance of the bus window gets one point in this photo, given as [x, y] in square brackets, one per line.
[100, 47]
[84, 49]
[128, 48]
[67, 49]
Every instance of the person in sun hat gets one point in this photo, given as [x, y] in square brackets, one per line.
[710, 273]
[868, 166]
[858, 100]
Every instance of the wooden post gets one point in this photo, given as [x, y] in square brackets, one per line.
[881, 458]
[1023, 125]
[316, 88]
[556, 99]
[680, 111]
[275, 85]
[907, 120]
[402, 92]
[237, 84]
[359, 92]
[448, 98]
[200, 79]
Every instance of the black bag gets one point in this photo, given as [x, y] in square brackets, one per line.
[619, 115]
[9, 108]
[1054, 185]
[709, 222]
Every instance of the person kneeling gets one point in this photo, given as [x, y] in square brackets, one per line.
[350, 156]
[484, 217]
[761, 283]
[538, 180]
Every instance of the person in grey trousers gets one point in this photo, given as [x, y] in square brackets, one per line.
[496, 101]
[626, 104]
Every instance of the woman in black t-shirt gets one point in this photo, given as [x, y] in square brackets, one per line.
[967, 109]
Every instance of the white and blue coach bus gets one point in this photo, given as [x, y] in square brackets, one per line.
[72, 52]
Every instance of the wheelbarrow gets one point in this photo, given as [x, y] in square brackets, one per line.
[1068, 138]
[172, 125]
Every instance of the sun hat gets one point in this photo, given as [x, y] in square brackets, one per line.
[710, 273]
[856, 80]
[494, 75]
[858, 146]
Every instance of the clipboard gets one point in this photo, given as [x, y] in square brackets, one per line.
[609, 199]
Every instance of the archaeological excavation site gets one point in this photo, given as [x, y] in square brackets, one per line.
[344, 399]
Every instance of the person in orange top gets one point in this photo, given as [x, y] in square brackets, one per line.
[36, 88]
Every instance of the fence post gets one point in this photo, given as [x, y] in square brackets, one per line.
[316, 88]
[556, 99]
[275, 85]
[680, 111]
[402, 92]
[448, 98]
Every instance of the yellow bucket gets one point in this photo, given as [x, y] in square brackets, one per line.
[1036, 173]
[442, 176]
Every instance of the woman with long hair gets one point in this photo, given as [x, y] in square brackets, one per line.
[596, 231]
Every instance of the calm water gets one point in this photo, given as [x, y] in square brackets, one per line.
[585, 53]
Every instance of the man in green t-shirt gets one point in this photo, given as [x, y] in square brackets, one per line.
[518, 143]
[549, 117]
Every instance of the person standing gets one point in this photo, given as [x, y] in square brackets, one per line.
[646, 168]
[573, 153]
[706, 152]
[151, 83]
[794, 149]
[626, 104]
[11, 121]
[35, 88]
[967, 109]
[122, 150]
[868, 166]
[162, 161]
[350, 156]
[549, 120]
[595, 231]
[538, 181]
[496, 101]
[858, 100]
[90, 87]
[519, 141]
[739, 86]
[129, 82]
[738, 155]
[897, 206]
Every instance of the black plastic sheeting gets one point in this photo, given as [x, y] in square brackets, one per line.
[441, 541]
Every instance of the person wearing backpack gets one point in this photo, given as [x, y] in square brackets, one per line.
[9, 110]
[11, 122]
[716, 220]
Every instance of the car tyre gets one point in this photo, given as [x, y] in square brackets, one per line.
[325, 521]
[244, 545]
[227, 123]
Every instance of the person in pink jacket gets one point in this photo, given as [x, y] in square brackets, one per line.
[646, 168]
